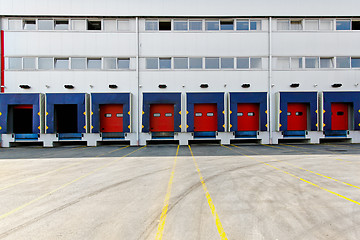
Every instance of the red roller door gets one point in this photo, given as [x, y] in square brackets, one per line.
[339, 116]
[111, 118]
[297, 116]
[205, 117]
[248, 116]
[161, 117]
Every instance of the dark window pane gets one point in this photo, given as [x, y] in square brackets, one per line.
[355, 25]
[94, 25]
[165, 26]
[227, 25]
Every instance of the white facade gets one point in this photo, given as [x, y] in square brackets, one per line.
[313, 34]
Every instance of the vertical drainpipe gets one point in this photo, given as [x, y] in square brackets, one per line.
[269, 122]
[138, 82]
[2, 60]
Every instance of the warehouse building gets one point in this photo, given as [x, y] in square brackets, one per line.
[139, 71]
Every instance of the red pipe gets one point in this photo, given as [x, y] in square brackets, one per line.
[2, 63]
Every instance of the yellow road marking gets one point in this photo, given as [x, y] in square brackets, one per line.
[161, 225]
[307, 170]
[65, 185]
[293, 175]
[56, 170]
[210, 202]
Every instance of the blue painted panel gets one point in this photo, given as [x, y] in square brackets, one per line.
[194, 98]
[246, 134]
[110, 98]
[161, 98]
[26, 137]
[256, 97]
[294, 133]
[298, 97]
[70, 136]
[204, 134]
[335, 133]
[7, 99]
[113, 135]
[65, 98]
[341, 97]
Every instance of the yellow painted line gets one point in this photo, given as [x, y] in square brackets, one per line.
[161, 225]
[293, 175]
[210, 202]
[310, 171]
[55, 170]
[65, 185]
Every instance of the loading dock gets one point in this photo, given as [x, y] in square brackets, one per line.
[111, 118]
[20, 119]
[297, 116]
[341, 116]
[161, 117]
[205, 114]
[66, 115]
[248, 116]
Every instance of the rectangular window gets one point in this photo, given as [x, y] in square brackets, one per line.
[326, 62]
[29, 24]
[15, 24]
[15, 63]
[165, 63]
[296, 63]
[78, 63]
[343, 24]
[212, 25]
[61, 24]
[78, 25]
[123, 63]
[110, 25]
[212, 63]
[195, 63]
[227, 63]
[181, 63]
[242, 63]
[165, 25]
[109, 63]
[326, 24]
[45, 63]
[62, 63]
[180, 25]
[355, 62]
[152, 63]
[296, 25]
[46, 24]
[282, 63]
[255, 63]
[282, 25]
[94, 25]
[29, 63]
[94, 63]
[255, 25]
[242, 25]
[311, 62]
[312, 25]
[355, 25]
[195, 25]
[152, 25]
[227, 24]
[342, 62]
[123, 25]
